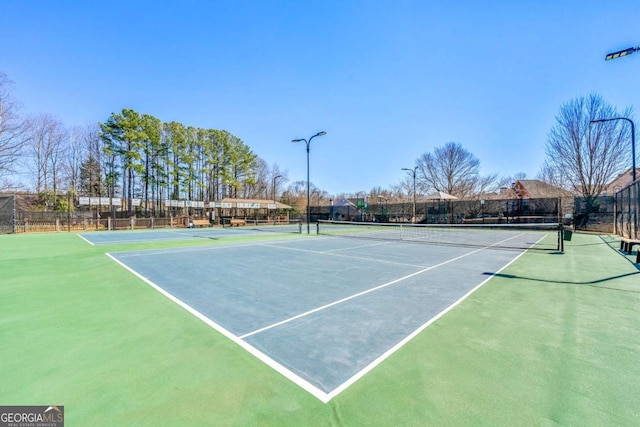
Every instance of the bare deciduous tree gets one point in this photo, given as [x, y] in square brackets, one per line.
[508, 180]
[258, 187]
[551, 175]
[451, 169]
[12, 127]
[83, 150]
[584, 157]
[296, 194]
[47, 141]
[277, 179]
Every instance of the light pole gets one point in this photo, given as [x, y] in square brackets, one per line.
[413, 171]
[608, 57]
[633, 140]
[275, 210]
[308, 194]
[274, 187]
[317, 193]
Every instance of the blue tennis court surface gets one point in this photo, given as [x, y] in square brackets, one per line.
[321, 310]
[164, 234]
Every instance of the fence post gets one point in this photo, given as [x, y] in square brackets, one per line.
[629, 218]
[615, 213]
[635, 188]
[14, 219]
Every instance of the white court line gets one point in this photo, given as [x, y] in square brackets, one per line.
[350, 248]
[220, 246]
[120, 242]
[359, 294]
[178, 236]
[301, 382]
[329, 253]
[409, 337]
[83, 238]
[296, 379]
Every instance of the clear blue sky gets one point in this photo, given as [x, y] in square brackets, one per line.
[387, 80]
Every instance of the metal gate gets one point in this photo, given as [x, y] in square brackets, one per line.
[7, 214]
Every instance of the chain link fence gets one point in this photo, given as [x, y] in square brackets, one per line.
[605, 214]
[596, 214]
[627, 208]
[7, 214]
[490, 211]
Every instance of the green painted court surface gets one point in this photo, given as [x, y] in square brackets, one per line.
[551, 340]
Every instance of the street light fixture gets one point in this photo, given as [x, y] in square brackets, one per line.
[633, 140]
[621, 53]
[413, 171]
[308, 194]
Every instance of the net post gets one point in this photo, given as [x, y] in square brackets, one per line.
[318, 228]
[561, 237]
[14, 223]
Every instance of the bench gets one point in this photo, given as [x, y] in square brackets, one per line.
[200, 223]
[237, 222]
[627, 246]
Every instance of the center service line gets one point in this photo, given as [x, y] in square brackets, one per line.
[384, 285]
[340, 301]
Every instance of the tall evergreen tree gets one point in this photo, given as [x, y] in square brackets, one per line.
[123, 137]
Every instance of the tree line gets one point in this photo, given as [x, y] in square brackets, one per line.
[155, 161]
[129, 155]
[138, 156]
[582, 155]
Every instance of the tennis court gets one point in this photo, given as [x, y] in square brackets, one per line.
[168, 234]
[325, 310]
[549, 339]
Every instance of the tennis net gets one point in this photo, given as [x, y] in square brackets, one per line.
[277, 226]
[547, 236]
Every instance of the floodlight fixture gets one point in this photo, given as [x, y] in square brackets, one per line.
[621, 53]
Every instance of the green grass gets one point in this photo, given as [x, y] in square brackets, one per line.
[553, 340]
